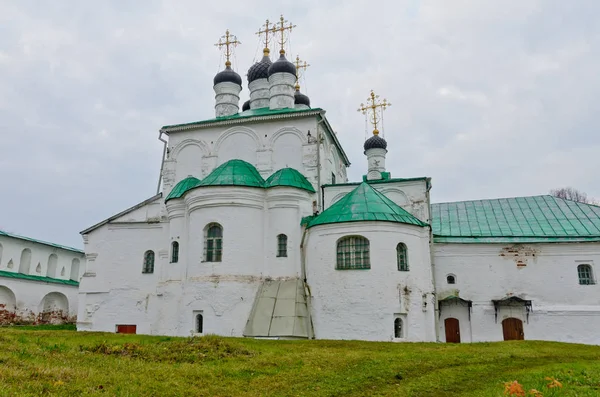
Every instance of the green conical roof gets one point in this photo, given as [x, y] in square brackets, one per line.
[365, 204]
[289, 177]
[234, 173]
[183, 186]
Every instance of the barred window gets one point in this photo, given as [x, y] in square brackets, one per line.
[585, 275]
[281, 245]
[451, 279]
[353, 253]
[398, 328]
[148, 262]
[174, 252]
[401, 252]
[199, 323]
[213, 247]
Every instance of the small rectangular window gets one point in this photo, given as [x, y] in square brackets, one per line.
[332, 178]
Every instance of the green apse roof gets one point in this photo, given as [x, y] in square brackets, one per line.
[518, 220]
[183, 186]
[234, 173]
[37, 278]
[289, 177]
[365, 204]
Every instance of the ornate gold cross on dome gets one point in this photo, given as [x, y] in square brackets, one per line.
[228, 41]
[269, 29]
[299, 65]
[374, 107]
[281, 30]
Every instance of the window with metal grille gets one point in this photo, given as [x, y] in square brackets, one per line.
[585, 275]
[148, 262]
[199, 323]
[353, 253]
[398, 328]
[281, 245]
[402, 257]
[213, 247]
[451, 279]
[174, 252]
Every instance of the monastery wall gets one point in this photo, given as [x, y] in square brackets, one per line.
[363, 303]
[546, 274]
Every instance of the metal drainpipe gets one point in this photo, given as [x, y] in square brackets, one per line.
[436, 307]
[162, 163]
[320, 202]
[306, 288]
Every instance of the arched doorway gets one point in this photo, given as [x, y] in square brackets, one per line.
[512, 328]
[8, 305]
[452, 327]
[54, 308]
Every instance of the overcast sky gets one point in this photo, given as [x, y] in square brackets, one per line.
[490, 98]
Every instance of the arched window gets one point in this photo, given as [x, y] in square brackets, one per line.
[398, 328]
[148, 262]
[52, 264]
[402, 257]
[353, 253]
[174, 252]
[585, 275]
[281, 245]
[25, 261]
[213, 247]
[199, 323]
[75, 269]
[451, 279]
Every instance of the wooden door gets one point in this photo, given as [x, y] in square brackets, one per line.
[452, 330]
[512, 329]
[126, 329]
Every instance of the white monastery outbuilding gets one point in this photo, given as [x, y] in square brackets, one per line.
[259, 233]
[38, 280]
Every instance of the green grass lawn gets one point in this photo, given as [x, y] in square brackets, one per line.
[67, 363]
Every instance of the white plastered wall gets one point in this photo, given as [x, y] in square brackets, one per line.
[546, 274]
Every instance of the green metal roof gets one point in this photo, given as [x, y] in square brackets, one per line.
[234, 173]
[378, 181]
[289, 177]
[37, 278]
[365, 204]
[245, 115]
[518, 220]
[64, 247]
[183, 186]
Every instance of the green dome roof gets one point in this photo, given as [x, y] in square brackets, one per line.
[183, 186]
[234, 173]
[365, 204]
[289, 177]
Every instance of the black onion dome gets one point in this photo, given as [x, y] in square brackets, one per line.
[260, 70]
[227, 75]
[301, 99]
[246, 106]
[375, 142]
[282, 65]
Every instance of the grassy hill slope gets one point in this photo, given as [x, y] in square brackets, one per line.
[67, 363]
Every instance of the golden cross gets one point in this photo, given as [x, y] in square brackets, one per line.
[225, 41]
[268, 30]
[373, 107]
[299, 65]
[281, 29]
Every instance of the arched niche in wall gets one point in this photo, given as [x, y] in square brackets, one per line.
[74, 270]
[52, 263]
[238, 143]
[1, 249]
[54, 308]
[396, 195]
[8, 300]
[188, 156]
[25, 262]
[287, 148]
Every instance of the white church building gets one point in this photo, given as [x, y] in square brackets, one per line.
[259, 233]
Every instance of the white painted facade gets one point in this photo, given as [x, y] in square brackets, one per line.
[342, 304]
[41, 298]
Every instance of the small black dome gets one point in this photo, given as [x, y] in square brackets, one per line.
[260, 70]
[282, 65]
[227, 75]
[246, 106]
[375, 142]
[301, 99]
